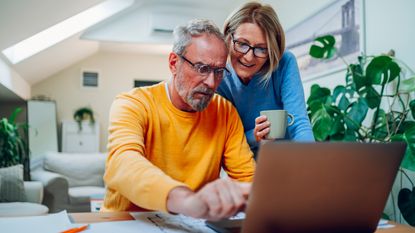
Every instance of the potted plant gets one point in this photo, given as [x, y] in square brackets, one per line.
[84, 113]
[13, 147]
[376, 104]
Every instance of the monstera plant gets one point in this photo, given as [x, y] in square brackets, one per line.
[375, 104]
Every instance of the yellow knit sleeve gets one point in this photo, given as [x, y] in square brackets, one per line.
[130, 176]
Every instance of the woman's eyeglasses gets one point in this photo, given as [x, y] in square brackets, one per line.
[205, 70]
[244, 48]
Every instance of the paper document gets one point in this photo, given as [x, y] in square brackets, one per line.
[46, 223]
[169, 223]
[152, 222]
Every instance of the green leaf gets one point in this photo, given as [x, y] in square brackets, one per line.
[407, 85]
[412, 107]
[338, 91]
[16, 112]
[380, 131]
[338, 126]
[344, 103]
[409, 159]
[318, 96]
[322, 123]
[382, 69]
[385, 216]
[323, 47]
[359, 80]
[350, 136]
[356, 114]
[372, 97]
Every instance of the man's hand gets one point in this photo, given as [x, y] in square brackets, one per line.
[219, 199]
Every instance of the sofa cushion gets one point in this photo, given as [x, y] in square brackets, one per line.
[79, 169]
[14, 209]
[12, 187]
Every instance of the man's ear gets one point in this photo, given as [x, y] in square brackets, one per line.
[173, 60]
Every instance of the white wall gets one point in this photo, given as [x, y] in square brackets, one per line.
[12, 80]
[291, 12]
[117, 72]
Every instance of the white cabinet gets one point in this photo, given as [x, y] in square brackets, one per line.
[75, 139]
[43, 130]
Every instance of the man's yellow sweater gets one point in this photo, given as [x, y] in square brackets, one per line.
[155, 147]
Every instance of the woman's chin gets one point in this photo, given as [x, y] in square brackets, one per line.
[245, 74]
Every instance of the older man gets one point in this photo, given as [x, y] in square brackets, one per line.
[168, 142]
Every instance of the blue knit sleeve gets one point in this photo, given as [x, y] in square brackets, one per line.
[292, 97]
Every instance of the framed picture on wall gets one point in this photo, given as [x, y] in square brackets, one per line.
[344, 19]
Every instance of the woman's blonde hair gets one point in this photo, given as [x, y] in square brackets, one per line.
[265, 17]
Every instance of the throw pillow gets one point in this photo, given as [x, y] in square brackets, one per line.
[12, 186]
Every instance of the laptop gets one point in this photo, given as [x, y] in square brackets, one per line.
[331, 187]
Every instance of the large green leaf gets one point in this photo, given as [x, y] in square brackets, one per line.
[372, 97]
[356, 114]
[322, 123]
[323, 47]
[382, 70]
[340, 89]
[343, 103]
[318, 97]
[358, 78]
[337, 127]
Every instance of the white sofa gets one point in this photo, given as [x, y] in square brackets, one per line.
[32, 207]
[70, 180]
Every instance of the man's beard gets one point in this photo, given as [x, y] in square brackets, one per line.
[197, 104]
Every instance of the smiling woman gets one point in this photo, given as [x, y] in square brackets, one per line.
[263, 76]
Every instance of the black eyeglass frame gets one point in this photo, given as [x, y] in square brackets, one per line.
[198, 66]
[249, 47]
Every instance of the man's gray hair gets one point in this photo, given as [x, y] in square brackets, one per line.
[183, 34]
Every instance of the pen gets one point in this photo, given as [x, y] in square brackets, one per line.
[76, 229]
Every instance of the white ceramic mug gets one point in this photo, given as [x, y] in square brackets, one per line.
[279, 122]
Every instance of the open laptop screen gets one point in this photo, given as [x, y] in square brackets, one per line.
[321, 187]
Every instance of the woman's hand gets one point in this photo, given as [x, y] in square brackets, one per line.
[261, 129]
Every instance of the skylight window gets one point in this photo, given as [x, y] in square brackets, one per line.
[64, 29]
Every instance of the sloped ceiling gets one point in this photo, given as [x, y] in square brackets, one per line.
[129, 31]
[20, 19]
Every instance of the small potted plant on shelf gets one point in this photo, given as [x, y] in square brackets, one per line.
[376, 104]
[82, 114]
[13, 147]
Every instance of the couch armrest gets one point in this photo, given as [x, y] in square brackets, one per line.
[56, 196]
[34, 191]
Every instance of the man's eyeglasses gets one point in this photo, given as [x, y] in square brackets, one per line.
[205, 70]
[244, 48]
